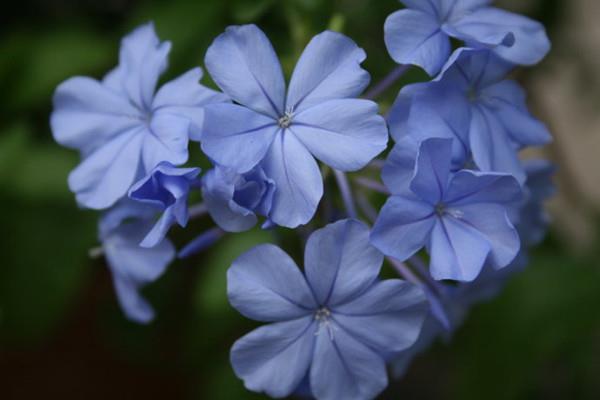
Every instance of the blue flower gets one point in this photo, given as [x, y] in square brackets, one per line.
[461, 217]
[473, 102]
[333, 327]
[121, 127]
[235, 200]
[420, 34]
[132, 267]
[166, 189]
[319, 116]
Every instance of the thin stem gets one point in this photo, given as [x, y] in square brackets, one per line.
[388, 81]
[201, 242]
[198, 210]
[405, 271]
[372, 185]
[346, 192]
[96, 252]
[366, 207]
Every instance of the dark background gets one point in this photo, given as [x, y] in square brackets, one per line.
[62, 334]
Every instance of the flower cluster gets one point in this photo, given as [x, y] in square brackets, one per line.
[462, 208]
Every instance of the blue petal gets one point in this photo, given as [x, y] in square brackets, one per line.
[507, 100]
[166, 140]
[474, 69]
[492, 221]
[432, 169]
[328, 69]
[134, 267]
[185, 97]
[275, 358]
[399, 167]
[228, 128]
[87, 114]
[489, 26]
[218, 189]
[244, 65]
[403, 227]
[340, 262]
[470, 187]
[344, 134]
[399, 113]
[344, 368]
[142, 59]
[266, 285]
[491, 147]
[122, 211]
[298, 181]
[106, 175]
[457, 250]
[414, 37]
[443, 113]
[387, 317]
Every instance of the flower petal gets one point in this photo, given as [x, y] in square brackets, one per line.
[298, 181]
[432, 169]
[457, 250]
[491, 147]
[340, 262]
[507, 99]
[344, 134]
[493, 222]
[142, 59]
[275, 358]
[443, 113]
[244, 65]
[403, 227]
[388, 317]
[106, 175]
[185, 97]
[344, 368]
[469, 187]
[414, 37]
[166, 140]
[228, 128]
[87, 114]
[328, 69]
[490, 26]
[266, 285]
[399, 167]
[133, 267]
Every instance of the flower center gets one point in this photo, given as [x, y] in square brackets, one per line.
[286, 120]
[442, 210]
[323, 318]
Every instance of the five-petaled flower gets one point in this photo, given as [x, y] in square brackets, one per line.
[461, 217]
[121, 127]
[319, 116]
[334, 326]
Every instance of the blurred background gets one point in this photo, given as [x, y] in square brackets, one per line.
[62, 334]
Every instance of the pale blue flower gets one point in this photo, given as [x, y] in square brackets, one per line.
[462, 218]
[122, 128]
[283, 133]
[334, 326]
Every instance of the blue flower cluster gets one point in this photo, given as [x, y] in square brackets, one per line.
[461, 207]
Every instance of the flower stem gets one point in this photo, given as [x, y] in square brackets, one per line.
[203, 241]
[388, 81]
[346, 192]
[372, 185]
[198, 210]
